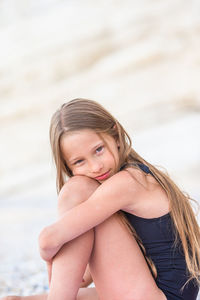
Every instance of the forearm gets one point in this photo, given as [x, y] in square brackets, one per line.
[54, 236]
[74, 223]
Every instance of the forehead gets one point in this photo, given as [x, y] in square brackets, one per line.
[84, 135]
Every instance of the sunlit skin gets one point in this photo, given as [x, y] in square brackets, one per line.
[69, 244]
[90, 154]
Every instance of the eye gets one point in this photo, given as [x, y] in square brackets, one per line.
[99, 149]
[78, 162]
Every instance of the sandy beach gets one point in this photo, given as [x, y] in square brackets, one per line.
[141, 60]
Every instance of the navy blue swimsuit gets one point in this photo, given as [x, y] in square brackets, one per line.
[157, 236]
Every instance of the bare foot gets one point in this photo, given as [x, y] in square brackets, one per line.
[11, 298]
[34, 297]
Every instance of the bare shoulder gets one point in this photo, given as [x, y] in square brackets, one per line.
[149, 199]
[123, 183]
[145, 180]
[129, 178]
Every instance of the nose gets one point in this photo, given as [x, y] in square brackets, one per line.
[96, 165]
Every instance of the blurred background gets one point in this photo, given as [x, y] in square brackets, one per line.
[140, 59]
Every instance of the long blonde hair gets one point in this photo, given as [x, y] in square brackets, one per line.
[87, 114]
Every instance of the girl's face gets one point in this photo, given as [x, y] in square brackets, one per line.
[87, 153]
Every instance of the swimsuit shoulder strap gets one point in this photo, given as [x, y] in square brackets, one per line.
[143, 167]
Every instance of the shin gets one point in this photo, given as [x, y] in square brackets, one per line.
[70, 262]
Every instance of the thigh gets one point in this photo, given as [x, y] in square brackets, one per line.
[87, 294]
[117, 265]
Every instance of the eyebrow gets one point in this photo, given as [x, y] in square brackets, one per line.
[79, 157]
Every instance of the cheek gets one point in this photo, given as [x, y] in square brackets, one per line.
[113, 158]
[74, 171]
[77, 171]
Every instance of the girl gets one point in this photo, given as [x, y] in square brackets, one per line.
[122, 220]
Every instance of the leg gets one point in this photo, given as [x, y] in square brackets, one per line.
[69, 266]
[70, 262]
[118, 267]
[83, 294]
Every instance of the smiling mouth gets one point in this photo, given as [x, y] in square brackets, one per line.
[103, 176]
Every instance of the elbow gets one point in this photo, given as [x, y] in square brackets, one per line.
[44, 239]
[46, 243]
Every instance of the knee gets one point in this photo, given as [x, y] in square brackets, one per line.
[75, 191]
[79, 187]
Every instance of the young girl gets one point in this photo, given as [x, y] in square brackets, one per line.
[122, 222]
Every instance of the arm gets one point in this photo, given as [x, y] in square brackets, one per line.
[114, 194]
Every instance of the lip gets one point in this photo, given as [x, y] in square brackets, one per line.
[103, 176]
